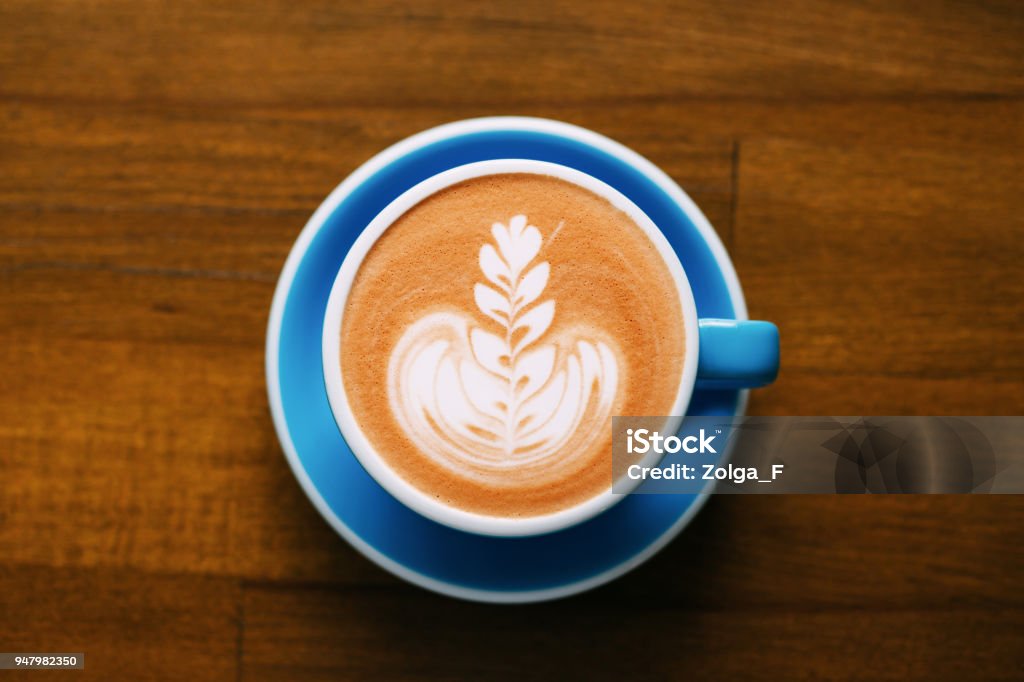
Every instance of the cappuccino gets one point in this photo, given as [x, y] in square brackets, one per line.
[492, 331]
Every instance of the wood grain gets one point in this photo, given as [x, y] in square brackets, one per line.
[860, 159]
[895, 263]
[345, 634]
[403, 55]
[129, 625]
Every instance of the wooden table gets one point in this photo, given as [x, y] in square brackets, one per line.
[861, 160]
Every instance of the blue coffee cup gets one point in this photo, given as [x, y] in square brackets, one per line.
[734, 354]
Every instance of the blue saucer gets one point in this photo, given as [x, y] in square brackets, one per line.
[419, 550]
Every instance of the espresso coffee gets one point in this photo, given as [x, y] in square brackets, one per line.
[493, 330]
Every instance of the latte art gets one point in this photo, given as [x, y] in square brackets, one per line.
[494, 390]
[491, 332]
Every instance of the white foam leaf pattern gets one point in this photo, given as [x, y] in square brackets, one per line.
[532, 369]
[492, 304]
[532, 286]
[535, 322]
[495, 269]
[480, 399]
[491, 352]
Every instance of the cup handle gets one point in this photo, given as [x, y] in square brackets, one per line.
[737, 353]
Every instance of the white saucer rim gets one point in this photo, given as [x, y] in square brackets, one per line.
[298, 251]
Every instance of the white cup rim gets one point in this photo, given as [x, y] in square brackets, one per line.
[357, 440]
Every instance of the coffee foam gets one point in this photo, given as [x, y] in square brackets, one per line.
[493, 330]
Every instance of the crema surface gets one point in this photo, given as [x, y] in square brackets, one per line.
[494, 329]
